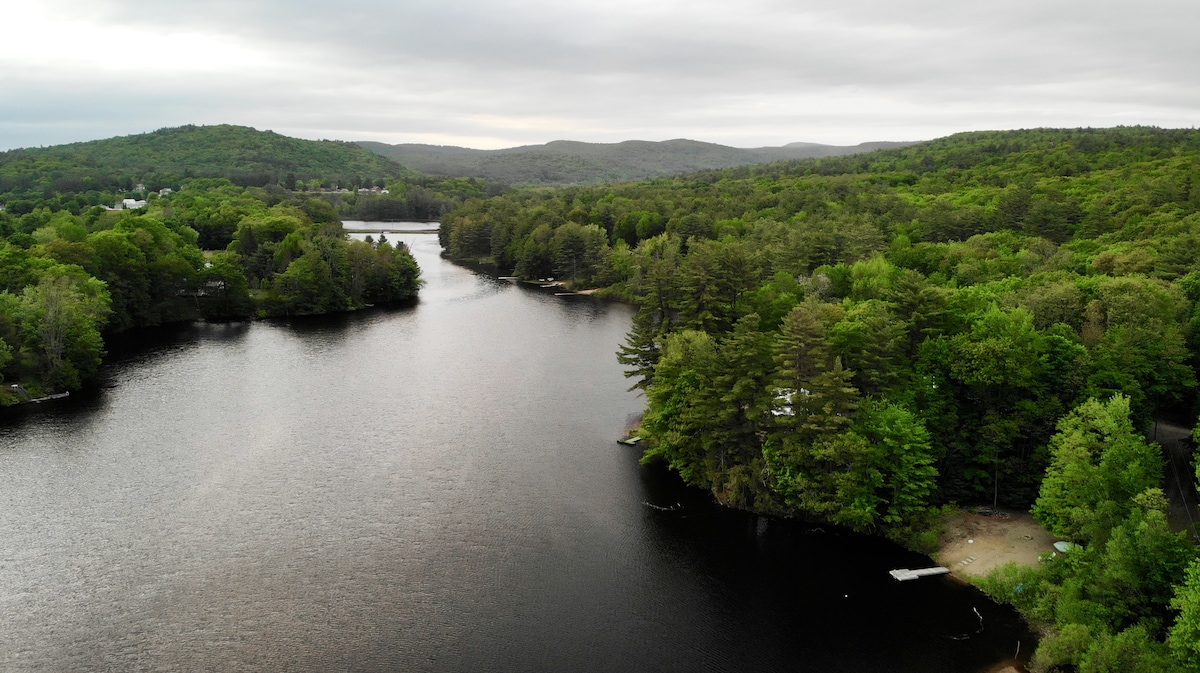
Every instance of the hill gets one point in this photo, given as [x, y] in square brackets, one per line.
[162, 158]
[565, 162]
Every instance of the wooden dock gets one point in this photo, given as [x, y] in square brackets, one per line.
[904, 574]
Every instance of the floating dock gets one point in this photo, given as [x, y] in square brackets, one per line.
[904, 574]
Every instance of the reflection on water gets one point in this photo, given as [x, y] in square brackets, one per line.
[432, 488]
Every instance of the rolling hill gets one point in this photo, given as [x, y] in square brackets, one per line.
[244, 155]
[565, 162]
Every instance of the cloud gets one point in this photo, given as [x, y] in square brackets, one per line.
[510, 72]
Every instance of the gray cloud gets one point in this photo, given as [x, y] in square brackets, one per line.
[512, 72]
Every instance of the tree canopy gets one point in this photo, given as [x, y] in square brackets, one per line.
[987, 283]
[67, 281]
[991, 318]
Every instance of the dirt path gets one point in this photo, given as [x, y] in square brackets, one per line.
[974, 544]
[1180, 479]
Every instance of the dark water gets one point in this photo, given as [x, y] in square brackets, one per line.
[427, 489]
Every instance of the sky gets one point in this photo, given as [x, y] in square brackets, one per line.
[501, 73]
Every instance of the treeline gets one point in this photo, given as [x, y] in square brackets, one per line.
[415, 197]
[210, 251]
[215, 216]
[863, 339]
[986, 283]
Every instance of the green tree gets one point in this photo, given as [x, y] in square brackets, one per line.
[395, 275]
[803, 350]
[1133, 650]
[226, 293]
[578, 251]
[904, 457]
[1098, 464]
[1184, 638]
[6, 357]
[61, 320]
[308, 287]
[1140, 565]
[656, 280]
[871, 340]
[681, 406]
[743, 376]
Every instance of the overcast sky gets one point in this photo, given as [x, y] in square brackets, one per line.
[499, 73]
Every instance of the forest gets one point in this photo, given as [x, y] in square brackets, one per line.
[992, 318]
[79, 176]
[227, 222]
[164, 157]
[211, 250]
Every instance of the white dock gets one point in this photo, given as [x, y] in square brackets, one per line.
[904, 574]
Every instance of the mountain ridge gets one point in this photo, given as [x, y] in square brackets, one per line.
[567, 162]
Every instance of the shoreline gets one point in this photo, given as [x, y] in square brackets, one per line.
[24, 397]
[979, 540]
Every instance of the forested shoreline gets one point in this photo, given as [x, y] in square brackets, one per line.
[989, 318]
[191, 223]
[209, 251]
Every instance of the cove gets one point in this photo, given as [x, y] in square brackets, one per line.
[432, 488]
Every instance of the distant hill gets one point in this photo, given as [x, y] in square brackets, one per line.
[565, 162]
[244, 155]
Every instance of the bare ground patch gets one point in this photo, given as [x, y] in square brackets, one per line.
[974, 544]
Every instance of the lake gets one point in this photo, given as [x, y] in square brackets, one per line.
[429, 488]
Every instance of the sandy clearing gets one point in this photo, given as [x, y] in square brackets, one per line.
[974, 544]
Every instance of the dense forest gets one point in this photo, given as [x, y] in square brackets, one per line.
[165, 157]
[565, 162]
[211, 250]
[991, 318]
[78, 176]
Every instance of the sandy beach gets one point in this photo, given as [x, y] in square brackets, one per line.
[975, 544]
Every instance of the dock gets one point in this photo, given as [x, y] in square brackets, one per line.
[904, 574]
[19, 391]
